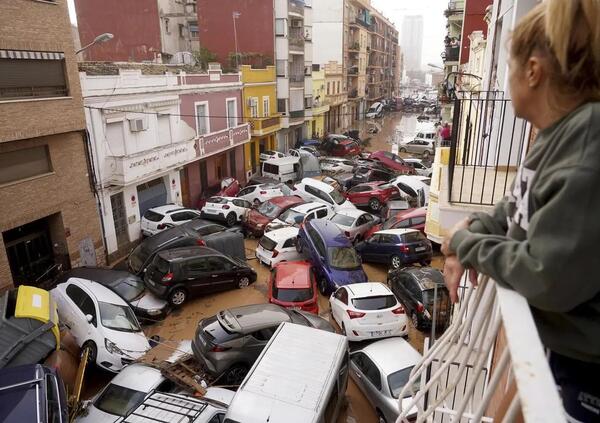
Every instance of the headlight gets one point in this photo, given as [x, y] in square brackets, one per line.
[111, 347]
[154, 312]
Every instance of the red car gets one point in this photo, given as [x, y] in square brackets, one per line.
[393, 161]
[293, 285]
[269, 210]
[371, 194]
[406, 219]
[340, 145]
[228, 187]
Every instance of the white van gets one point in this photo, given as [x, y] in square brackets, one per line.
[300, 377]
[285, 169]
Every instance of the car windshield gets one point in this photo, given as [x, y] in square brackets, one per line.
[138, 257]
[269, 209]
[337, 197]
[292, 216]
[129, 288]
[398, 380]
[292, 295]
[343, 220]
[344, 258]
[118, 400]
[152, 216]
[118, 317]
[379, 302]
[267, 243]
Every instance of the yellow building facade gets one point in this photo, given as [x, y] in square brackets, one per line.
[260, 110]
[319, 107]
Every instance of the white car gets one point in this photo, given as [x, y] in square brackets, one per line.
[420, 168]
[312, 190]
[368, 310]
[158, 219]
[354, 223]
[336, 165]
[226, 209]
[257, 194]
[413, 186]
[270, 154]
[277, 246]
[136, 383]
[100, 319]
[296, 215]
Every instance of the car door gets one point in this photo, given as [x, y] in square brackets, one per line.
[196, 275]
[247, 193]
[365, 224]
[241, 207]
[367, 375]
[385, 248]
[369, 247]
[81, 305]
[359, 226]
[401, 288]
[288, 250]
[225, 275]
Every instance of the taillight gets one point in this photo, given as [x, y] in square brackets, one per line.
[420, 307]
[168, 277]
[263, 192]
[161, 226]
[404, 249]
[219, 348]
[355, 314]
[398, 310]
[226, 206]
[201, 242]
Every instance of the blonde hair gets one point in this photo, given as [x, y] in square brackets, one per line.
[567, 33]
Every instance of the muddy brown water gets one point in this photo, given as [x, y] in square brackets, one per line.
[181, 324]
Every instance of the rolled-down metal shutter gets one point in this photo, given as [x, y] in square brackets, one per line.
[152, 194]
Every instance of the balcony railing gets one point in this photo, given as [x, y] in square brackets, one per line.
[488, 366]
[364, 23]
[12, 93]
[487, 146]
[451, 54]
[296, 37]
[297, 80]
[261, 126]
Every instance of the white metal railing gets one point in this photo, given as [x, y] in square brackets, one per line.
[455, 381]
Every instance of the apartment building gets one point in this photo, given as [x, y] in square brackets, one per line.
[161, 136]
[48, 214]
[161, 31]
[320, 106]
[382, 78]
[336, 119]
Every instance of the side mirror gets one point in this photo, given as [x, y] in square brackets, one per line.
[89, 318]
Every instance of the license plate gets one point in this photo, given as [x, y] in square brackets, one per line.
[420, 249]
[381, 332]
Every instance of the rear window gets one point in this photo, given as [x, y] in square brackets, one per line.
[118, 400]
[343, 220]
[152, 216]
[210, 229]
[379, 302]
[267, 243]
[413, 237]
[292, 295]
[271, 168]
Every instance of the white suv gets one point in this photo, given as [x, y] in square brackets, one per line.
[257, 194]
[158, 219]
[312, 190]
[227, 209]
[296, 215]
[278, 245]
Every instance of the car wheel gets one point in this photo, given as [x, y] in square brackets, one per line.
[243, 282]
[323, 286]
[92, 351]
[236, 374]
[231, 219]
[381, 417]
[177, 297]
[374, 204]
[402, 150]
[415, 321]
[396, 262]
[426, 154]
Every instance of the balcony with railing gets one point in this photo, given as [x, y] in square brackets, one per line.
[297, 80]
[296, 38]
[451, 53]
[265, 125]
[296, 116]
[488, 366]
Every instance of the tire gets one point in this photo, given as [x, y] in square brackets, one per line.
[177, 297]
[381, 417]
[426, 154]
[374, 204]
[93, 351]
[396, 262]
[323, 288]
[414, 318]
[402, 150]
[243, 282]
[235, 374]
[231, 219]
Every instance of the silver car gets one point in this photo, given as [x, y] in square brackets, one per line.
[229, 343]
[381, 370]
[423, 147]
[354, 223]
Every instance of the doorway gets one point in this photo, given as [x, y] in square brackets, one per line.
[253, 154]
[119, 218]
[221, 166]
[151, 194]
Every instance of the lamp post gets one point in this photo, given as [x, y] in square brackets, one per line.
[102, 38]
[235, 15]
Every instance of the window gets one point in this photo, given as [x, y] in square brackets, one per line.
[181, 31]
[253, 104]
[231, 113]
[338, 88]
[308, 102]
[281, 105]
[217, 418]
[193, 28]
[281, 67]
[328, 88]
[417, 220]
[321, 213]
[183, 216]
[342, 295]
[280, 26]
[32, 74]
[289, 243]
[242, 203]
[52, 397]
[25, 163]
[266, 107]
[202, 122]
[368, 368]
[264, 334]
[232, 164]
[197, 265]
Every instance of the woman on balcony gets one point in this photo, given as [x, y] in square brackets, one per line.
[542, 239]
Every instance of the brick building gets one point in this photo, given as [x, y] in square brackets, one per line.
[48, 212]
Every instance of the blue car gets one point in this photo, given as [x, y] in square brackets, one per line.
[334, 260]
[398, 247]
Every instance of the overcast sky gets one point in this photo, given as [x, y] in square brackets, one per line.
[434, 23]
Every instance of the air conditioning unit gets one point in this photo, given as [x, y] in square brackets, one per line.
[297, 24]
[138, 124]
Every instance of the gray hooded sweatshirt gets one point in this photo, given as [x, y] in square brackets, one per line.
[543, 239]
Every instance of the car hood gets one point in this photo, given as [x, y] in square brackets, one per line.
[346, 277]
[149, 302]
[95, 415]
[132, 343]
[256, 217]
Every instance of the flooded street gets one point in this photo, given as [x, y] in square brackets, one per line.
[181, 324]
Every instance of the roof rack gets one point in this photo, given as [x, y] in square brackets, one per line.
[167, 408]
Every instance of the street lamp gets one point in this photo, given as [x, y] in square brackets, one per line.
[102, 38]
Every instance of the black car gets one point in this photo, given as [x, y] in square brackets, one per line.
[32, 393]
[417, 288]
[364, 174]
[194, 232]
[180, 273]
[129, 287]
